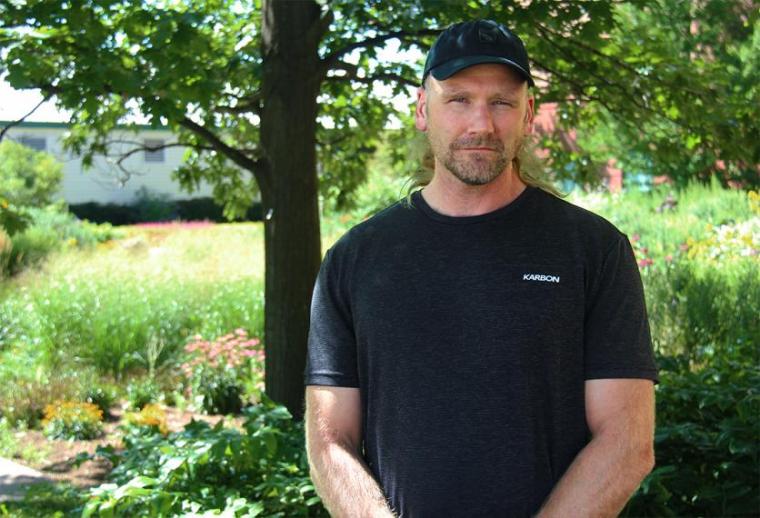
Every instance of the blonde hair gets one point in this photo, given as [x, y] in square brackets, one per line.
[527, 165]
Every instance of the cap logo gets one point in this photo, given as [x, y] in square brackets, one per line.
[487, 34]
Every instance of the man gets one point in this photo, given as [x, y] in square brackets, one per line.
[482, 350]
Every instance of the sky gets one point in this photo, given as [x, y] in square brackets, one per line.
[14, 104]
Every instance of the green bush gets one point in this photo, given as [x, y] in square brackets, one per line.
[706, 445]
[143, 392]
[101, 396]
[49, 230]
[72, 420]
[28, 178]
[259, 471]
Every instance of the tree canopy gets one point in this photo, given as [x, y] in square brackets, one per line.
[280, 98]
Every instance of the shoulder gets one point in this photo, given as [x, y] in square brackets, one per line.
[573, 221]
[381, 226]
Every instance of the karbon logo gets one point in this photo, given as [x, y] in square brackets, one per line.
[540, 277]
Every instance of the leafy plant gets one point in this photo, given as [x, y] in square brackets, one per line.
[706, 442]
[72, 420]
[28, 178]
[142, 392]
[101, 396]
[217, 370]
[261, 470]
[151, 419]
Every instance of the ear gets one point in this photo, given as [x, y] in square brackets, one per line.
[529, 114]
[420, 115]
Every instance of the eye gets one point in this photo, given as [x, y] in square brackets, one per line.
[502, 102]
[459, 99]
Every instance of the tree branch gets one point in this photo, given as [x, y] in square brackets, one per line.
[22, 119]
[352, 74]
[258, 167]
[331, 59]
[142, 147]
[383, 76]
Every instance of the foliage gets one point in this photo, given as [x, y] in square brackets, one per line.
[51, 229]
[13, 219]
[46, 499]
[261, 470]
[105, 307]
[26, 389]
[28, 178]
[142, 392]
[217, 370]
[153, 206]
[708, 421]
[8, 443]
[101, 396]
[151, 418]
[707, 47]
[72, 420]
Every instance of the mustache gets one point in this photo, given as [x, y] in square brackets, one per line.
[477, 141]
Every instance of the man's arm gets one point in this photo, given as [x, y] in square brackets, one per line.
[604, 475]
[333, 438]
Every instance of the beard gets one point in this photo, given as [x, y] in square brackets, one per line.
[475, 168]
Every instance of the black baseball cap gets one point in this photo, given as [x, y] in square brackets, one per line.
[472, 43]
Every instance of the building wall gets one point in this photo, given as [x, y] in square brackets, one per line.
[104, 182]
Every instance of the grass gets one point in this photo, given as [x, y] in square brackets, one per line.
[101, 308]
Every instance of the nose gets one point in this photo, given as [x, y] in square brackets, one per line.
[481, 120]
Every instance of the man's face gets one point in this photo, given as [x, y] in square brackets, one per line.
[475, 120]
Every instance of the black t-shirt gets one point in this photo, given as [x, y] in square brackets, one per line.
[470, 339]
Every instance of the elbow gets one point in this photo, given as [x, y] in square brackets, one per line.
[643, 460]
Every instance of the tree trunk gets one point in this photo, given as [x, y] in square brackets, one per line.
[290, 85]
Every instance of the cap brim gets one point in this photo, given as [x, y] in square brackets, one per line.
[448, 69]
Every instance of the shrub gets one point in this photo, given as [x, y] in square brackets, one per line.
[49, 230]
[217, 370]
[151, 419]
[708, 422]
[12, 219]
[101, 396]
[142, 392]
[259, 471]
[154, 206]
[72, 420]
[28, 178]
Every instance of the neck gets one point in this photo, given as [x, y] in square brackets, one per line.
[449, 196]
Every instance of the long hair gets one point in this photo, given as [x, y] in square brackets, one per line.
[526, 164]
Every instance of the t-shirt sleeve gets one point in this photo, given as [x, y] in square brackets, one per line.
[617, 338]
[331, 357]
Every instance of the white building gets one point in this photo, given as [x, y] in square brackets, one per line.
[106, 181]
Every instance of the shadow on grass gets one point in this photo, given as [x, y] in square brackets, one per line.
[45, 500]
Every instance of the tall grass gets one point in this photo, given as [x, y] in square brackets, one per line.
[101, 307]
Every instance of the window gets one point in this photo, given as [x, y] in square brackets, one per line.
[36, 143]
[155, 155]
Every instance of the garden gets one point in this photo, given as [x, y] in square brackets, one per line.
[131, 365]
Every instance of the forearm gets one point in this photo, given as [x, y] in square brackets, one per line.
[345, 484]
[600, 480]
